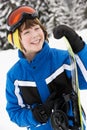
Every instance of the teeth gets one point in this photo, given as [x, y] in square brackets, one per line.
[35, 41]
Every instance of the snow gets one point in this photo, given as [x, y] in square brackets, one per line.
[8, 58]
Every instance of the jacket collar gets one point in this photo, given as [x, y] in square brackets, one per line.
[39, 54]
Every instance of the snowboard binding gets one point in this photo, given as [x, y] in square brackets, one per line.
[59, 120]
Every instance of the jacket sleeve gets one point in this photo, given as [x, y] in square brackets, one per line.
[18, 112]
[81, 59]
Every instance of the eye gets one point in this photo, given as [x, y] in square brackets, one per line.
[26, 32]
[37, 27]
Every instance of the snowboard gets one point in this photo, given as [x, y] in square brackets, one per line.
[59, 119]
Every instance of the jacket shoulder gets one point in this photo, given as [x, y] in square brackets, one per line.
[59, 53]
[14, 67]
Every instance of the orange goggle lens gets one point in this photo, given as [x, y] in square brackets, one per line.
[18, 14]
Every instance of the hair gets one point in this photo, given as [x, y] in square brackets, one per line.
[29, 23]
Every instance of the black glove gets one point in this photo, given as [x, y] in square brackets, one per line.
[42, 112]
[74, 39]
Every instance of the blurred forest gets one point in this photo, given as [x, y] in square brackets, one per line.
[51, 13]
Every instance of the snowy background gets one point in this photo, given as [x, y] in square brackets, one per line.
[8, 58]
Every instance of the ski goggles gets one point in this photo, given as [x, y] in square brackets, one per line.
[18, 16]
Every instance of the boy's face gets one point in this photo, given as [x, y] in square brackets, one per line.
[32, 39]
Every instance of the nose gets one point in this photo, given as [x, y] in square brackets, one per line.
[34, 34]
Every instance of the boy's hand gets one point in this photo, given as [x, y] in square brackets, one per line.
[74, 39]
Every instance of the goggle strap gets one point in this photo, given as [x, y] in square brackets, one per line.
[16, 39]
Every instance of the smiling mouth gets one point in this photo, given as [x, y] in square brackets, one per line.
[36, 41]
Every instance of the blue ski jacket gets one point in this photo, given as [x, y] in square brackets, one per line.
[32, 82]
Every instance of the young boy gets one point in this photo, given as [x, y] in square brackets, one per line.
[41, 76]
